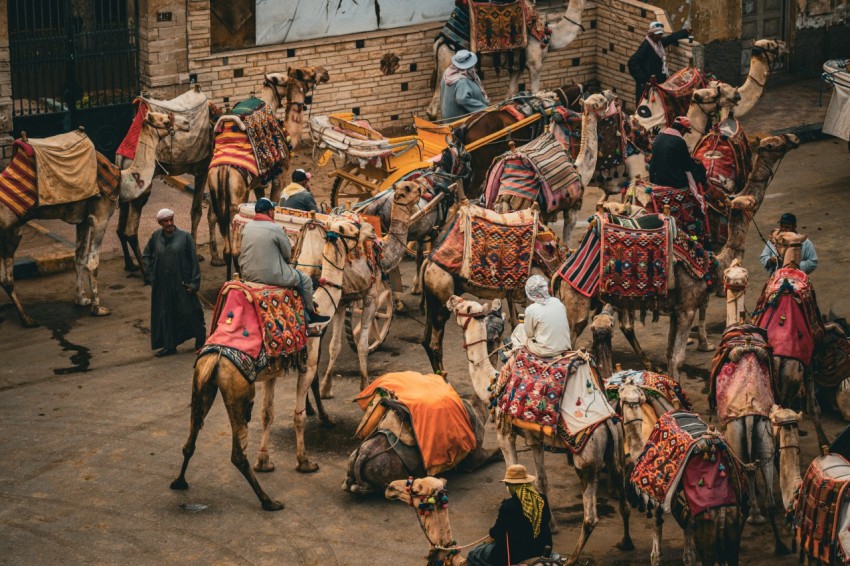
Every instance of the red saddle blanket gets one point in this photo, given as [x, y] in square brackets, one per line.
[634, 261]
[821, 519]
[682, 453]
[742, 381]
[675, 93]
[18, 190]
[251, 318]
[788, 310]
[726, 155]
[688, 210]
[653, 384]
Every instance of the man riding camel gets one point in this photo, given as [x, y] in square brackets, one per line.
[545, 330]
[671, 164]
[650, 59]
[461, 91]
[770, 258]
[266, 255]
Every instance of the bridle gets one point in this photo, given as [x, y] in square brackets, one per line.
[770, 62]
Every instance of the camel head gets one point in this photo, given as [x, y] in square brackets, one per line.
[407, 193]
[769, 49]
[596, 104]
[746, 203]
[602, 326]
[407, 491]
[778, 144]
[789, 246]
[736, 276]
[716, 96]
[622, 208]
[162, 123]
[309, 76]
[787, 419]
[631, 397]
[490, 316]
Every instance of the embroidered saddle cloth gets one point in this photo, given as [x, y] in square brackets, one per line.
[788, 310]
[66, 168]
[441, 424]
[833, 359]
[611, 152]
[726, 155]
[635, 261]
[821, 519]
[742, 381]
[682, 453]
[687, 208]
[489, 249]
[675, 92]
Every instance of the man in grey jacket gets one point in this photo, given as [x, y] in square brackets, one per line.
[461, 91]
[265, 256]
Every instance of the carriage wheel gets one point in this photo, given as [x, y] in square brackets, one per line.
[380, 328]
[345, 191]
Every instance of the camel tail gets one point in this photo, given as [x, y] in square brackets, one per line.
[221, 201]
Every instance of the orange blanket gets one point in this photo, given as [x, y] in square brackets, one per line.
[440, 421]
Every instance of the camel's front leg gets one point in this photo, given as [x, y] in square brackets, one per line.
[304, 378]
[507, 444]
[814, 407]
[276, 188]
[367, 326]
[98, 231]
[570, 219]
[680, 324]
[627, 327]
[704, 345]
[334, 348]
[588, 477]
[198, 205]
[540, 469]
[80, 251]
[204, 390]
[131, 234]
[264, 463]
[655, 555]
[212, 221]
[9, 241]
[689, 552]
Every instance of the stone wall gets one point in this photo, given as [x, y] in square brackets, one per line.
[163, 50]
[717, 20]
[5, 86]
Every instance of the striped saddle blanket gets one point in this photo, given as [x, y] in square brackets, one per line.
[821, 519]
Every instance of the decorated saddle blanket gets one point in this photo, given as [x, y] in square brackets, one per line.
[690, 253]
[66, 168]
[833, 359]
[788, 310]
[539, 171]
[442, 426]
[489, 249]
[611, 152]
[687, 208]
[653, 384]
[635, 262]
[742, 381]
[233, 148]
[821, 519]
[676, 92]
[726, 155]
[682, 453]
[257, 319]
[18, 181]
[581, 269]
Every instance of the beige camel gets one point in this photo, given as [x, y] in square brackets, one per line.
[604, 449]
[215, 373]
[786, 430]
[564, 32]
[90, 216]
[689, 294]
[763, 57]
[229, 186]
[735, 279]
[595, 107]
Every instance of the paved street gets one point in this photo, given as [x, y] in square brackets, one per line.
[91, 425]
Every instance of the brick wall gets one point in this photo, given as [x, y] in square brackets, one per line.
[5, 85]
[163, 51]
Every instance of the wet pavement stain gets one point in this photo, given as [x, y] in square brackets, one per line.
[58, 321]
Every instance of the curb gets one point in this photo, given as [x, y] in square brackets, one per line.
[28, 267]
[806, 132]
[181, 182]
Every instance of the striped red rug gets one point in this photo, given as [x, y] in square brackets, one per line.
[233, 148]
[17, 181]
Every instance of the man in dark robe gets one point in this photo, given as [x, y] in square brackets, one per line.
[171, 261]
[651, 57]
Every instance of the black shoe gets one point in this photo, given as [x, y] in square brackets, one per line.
[165, 352]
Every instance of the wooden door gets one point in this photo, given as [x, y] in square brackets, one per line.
[761, 19]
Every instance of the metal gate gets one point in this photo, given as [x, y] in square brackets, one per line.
[74, 63]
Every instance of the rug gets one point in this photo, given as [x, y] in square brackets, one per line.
[254, 317]
[249, 367]
[652, 384]
[66, 168]
[787, 308]
[455, 32]
[497, 26]
[700, 263]
[742, 381]
[634, 262]
[271, 142]
[443, 429]
[675, 92]
[498, 248]
[821, 516]
[17, 181]
[726, 155]
[232, 148]
[581, 269]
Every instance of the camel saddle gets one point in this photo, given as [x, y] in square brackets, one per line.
[675, 93]
[726, 155]
[611, 152]
[833, 357]
[821, 518]
[66, 168]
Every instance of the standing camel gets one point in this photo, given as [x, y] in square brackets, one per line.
[564, 32]
[230, 186]
[215, 373]
[604, 448]
[690, 293]
[90, 216]
[185, 152]
[763, 57]
[786, 430]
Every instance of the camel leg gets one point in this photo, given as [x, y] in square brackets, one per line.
[312, 375]
[9, 240]
[443, 58]
[304, 465]
[131, 234]
[276, 189]
[738, 437]
[680, 324]
[204, 390]
[813, 407]
[540, 470]
[588, 498]
[655, 555]
[627, 327]
[97, 233]
[420, 259]
[570, 219]
[123, 211]
[334, 348]
[436, 315]
[81, 248]
[689, 555]
[507, 444]
[264, 463]
[212, 220]
[198, 204]
[765, 450]
[617, 466]
[534, 66]
[397, 287]
[704, 345]
[367, 320]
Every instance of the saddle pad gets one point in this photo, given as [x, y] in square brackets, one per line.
[634, 262]
[684, 206]
[821, 516]
[442, 425]
[742, 381]
[17, 182]
[66, 168]
[497, 26]
[676, 92]
[726, 155]
[698, 261]
[559, 179]
[652, 384]
[581, 270]
[270, 141]
[249, 367]
[233, 148]
[456, 30]
[833, 363]
[788, 310]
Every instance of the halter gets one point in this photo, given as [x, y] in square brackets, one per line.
[466, 323]
[770, 62]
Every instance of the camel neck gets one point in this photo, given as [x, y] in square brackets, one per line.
[137, 179]
[567, 29]
[481, 370]
[587, 153]
[735, 305]
[789, 466]
[633, 430]
[295, 116]
[699, 124]
[753, 87]
[396, 241]
[436, 525]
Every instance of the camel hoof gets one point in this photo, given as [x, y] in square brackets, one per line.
[307, 467]
[131, 268]
[327, 422]
[216, 261]
[756, 520]
[706, 347]
[263, 467]
[100, 311]
[200, 257]
[626, 544]
[272, 505]
[782, 550]
[416, 292]
[82, 302]
[27, 322]
[326, 394]
[179, 484]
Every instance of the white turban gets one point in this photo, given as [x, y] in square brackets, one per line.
[163, 214]
[537, 288]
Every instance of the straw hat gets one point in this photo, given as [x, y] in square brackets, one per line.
[518, 474]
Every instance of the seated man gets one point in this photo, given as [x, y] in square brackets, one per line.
[545, 330]
[522, 529]
[266, 253]
[297, 194]
[671, 164]
[770, 257]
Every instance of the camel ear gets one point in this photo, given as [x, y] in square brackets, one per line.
[445, 482]
[496, 305]
[773, 411]
[453, 302]
[800, 416]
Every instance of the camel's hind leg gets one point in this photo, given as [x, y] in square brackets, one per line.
[198, 204]
[97, 233]
[334, 348]
[9, 240]
[615, 462]
[303, 386]
[703, 345]
[204, 390]
[81, 248]
[367, 321]
[588, 476]
[570, 219]
[129, 216]
[264, 463]
[627, 326]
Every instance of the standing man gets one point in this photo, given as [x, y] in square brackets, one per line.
[265, 256]
[297, 194]
[461, 91]
[770, 257]
[171, 261]
[651, 58]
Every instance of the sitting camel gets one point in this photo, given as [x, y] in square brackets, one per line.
[604, 448]
[90, 216]
[215, 373]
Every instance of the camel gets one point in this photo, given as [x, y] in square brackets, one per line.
[689, 294]
[90, 216]
[786, 430]
[603, 449]
[763, 57]
[564, 32]
[595, 107]
[735, 279]
[715, 538]
[215, 373]
[176, 161]
[229, 186]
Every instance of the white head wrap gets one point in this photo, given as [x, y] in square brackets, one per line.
[537, 288]
[163, 214]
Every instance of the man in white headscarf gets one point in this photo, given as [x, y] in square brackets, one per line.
[547, 331]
